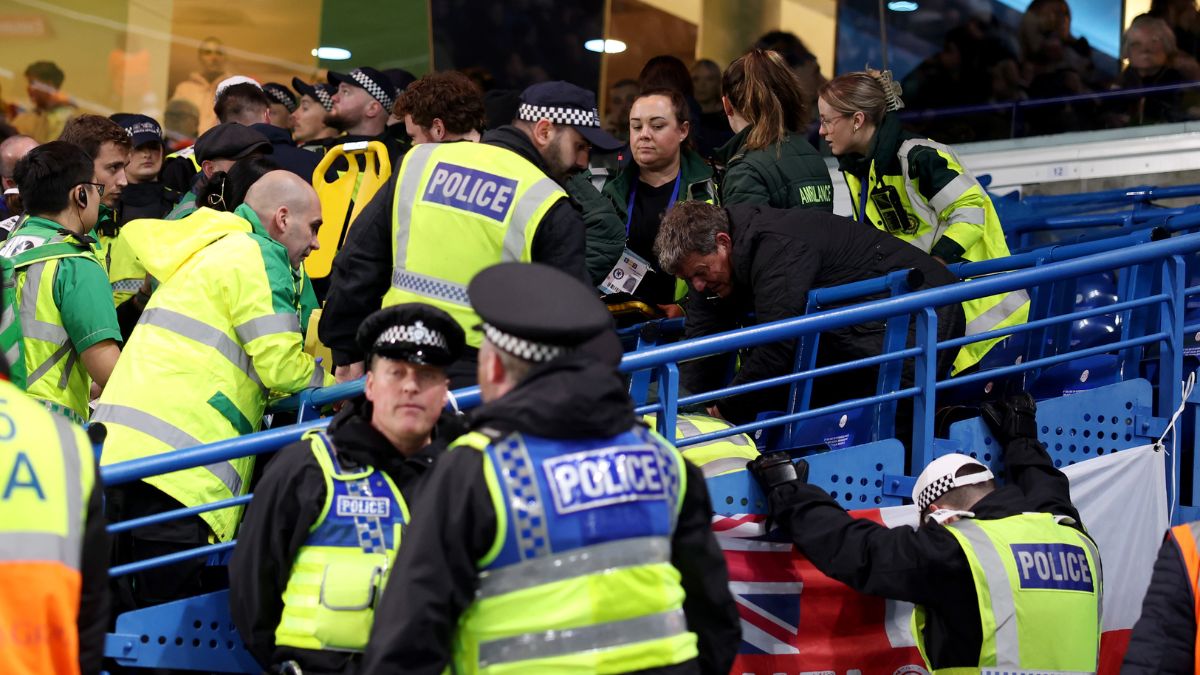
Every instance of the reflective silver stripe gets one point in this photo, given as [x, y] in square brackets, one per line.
[318, 376]
[407, 184]
[514, 236]
[997, 314]
[721, 465]
[127, 285]
[551, 643]
[580, 562]
[47, 365]
[13, 353]
[1004, 611]
[1098, 578]
[198, 331]
[8, 317]
[271, 324]
[952, 191]
[63, 379]
[973, 215]
[22, 546]
[31, 327]
[45, 331]
[430, 287]
[161, 430]
[72, 469]
[925, 241]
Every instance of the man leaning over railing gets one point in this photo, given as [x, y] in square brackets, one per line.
[302, 578]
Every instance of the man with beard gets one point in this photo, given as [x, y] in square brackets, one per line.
[454, 209]
[361, 106]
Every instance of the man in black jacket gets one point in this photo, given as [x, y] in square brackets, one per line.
[1163, 641]
[362, 270]
[763, 261]
[929, 566]
[293, 514]
[549, 384]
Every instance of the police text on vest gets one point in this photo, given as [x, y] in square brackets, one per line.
[594, 478]
[370, 507]
[1060, 567]
[479, 192]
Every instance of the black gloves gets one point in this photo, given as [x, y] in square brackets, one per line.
[1012, 418]
[776, 468]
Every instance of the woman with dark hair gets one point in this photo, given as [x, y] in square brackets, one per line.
[226, 190]
[768, 161]
[664, 171]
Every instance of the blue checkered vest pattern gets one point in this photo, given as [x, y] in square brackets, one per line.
[340, 571]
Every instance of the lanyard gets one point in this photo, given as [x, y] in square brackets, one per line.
[633, 194]
[862, 202]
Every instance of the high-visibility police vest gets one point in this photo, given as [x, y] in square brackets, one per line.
[12, 345]
[47, 474]
[1039, 587]
[1185, 537]
[55, 375]
[933, 219]
[459, 208]
[579, 578]
[718, 456]
[340, 571]
[197, 370]
[125, 272]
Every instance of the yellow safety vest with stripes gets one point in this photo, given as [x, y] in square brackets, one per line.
[460, 208]
[338, 574]
[962, 211]
[47, 468]
[718, 456]
[1039, 587]
[221, 332]
[55, 374]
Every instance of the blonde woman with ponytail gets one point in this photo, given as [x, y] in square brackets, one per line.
[768, 161]
[916, 189]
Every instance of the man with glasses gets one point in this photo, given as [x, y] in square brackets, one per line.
[71, 336]
[298, 545]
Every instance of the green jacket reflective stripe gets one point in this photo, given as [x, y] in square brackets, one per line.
[718, 456]
[12, 347]
[949, 215]
[48, 465]
[487, 200]
[1039, 587]
[54, 373]
[336, 578]
[545, 605]
[219, 334]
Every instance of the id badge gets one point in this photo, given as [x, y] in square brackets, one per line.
[625, 276]
[891, 210]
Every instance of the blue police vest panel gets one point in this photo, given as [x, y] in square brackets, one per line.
[479, 192]
[1059, 567]
[562, 495]
[363, 511]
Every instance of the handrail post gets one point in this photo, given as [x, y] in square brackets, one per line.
[925, 378]
[895, 337]
[668, 396]
[639, 381]
[306, 410]
[1170, 362]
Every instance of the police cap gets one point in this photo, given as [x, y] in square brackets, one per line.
[565, 103]
[320, 92]
[412, 332]
[230, 141]
[279, 93]
[142, 129]
[537, 313]
[378, 85]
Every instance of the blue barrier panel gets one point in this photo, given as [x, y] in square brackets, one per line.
[192, 634]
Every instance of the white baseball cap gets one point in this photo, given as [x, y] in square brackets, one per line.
[230, 81]
[939, 478]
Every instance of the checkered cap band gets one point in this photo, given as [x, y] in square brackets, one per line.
[281, 98]
[323, 97]
[526, 350]
[935, 490]
[417, 334]
[574, 116]
[377, 92]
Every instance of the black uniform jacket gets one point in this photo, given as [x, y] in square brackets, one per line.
[778, 256]
[925, 566]
[435, 575]
[1164, 638]
[287, 502]
[362, 270]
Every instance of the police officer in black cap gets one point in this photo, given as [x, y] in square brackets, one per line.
[283, 104]
[525, 163]
[145, 196]
[299, 547]
[308, 119]
[560, 534]
[361, 108]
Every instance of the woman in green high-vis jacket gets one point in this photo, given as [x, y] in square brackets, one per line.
[769, 162]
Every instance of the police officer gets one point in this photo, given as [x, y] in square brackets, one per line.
[283, 104]
[1005, 579]
[453, 209]
[64, 301]
[308, 120]
[216, 150]
[560, 534]
[361, 105]
[298, 543]
[54, 580]
[220, 333]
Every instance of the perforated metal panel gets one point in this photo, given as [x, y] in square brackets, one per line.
[1077, 427]
[193, 634]
[853, 476]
